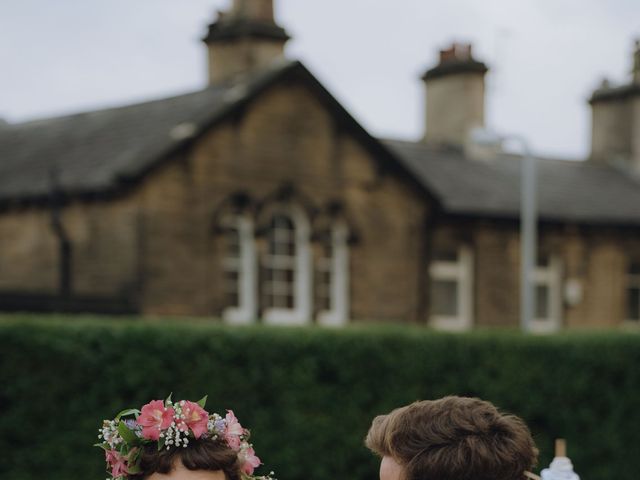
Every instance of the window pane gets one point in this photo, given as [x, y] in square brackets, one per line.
[233, 243]
[543, 260]
[633, 304]
[282, 222]
[231, 279]
[268, 296]
[289, 302]
[323, 287]
[542, 302]
[279, 301]
[232, 299]
[279, 264]
[231, 289]
[324, 304]
[444, 298]
[231, 264]
[279, 276]
[445, 254]
[327, 248]
[281, 236]
[289, 276]
[288, 248]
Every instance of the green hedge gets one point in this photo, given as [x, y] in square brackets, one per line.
[307, 394]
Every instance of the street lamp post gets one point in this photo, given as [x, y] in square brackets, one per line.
[528, 220]
[528, 235]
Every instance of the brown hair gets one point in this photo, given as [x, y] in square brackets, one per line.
[204, 454]
[454, 438]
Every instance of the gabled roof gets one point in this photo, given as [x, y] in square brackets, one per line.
[102, 151]
[98, 152]
[568, 191]
[93, 151]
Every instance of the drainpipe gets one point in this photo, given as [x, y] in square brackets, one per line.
[56, 200]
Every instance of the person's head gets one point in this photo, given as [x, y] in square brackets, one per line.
[200, 460]
[453, 438]
[167, 440]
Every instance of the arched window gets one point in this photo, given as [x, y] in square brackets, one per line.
[278, 286]
[239, 269]
[286, 268]
[332, 277]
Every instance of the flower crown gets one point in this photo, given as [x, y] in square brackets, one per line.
[171, 425]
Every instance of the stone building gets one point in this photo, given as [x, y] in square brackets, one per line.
[260, 198]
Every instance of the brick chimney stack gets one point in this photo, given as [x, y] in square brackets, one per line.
[615, 121]
[455, 96]
[244, 39]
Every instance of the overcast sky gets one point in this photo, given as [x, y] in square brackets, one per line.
[546, 56]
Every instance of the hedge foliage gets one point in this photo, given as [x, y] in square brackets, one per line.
[307, 394]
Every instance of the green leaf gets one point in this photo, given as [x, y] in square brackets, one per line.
[127, 434]
[160, 443]
[133, 461]
[129, 411]
[203, 401]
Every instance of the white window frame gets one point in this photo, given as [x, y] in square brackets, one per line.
[246, 312]
[550, 276]
[302, 311]
[632, 282]
[460, 271]
[338, 314]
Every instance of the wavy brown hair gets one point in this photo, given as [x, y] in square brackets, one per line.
[203, 454]
[454, 438]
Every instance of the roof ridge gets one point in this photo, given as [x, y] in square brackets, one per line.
[108, 109]
[265, 73]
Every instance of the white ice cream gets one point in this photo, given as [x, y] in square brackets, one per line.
[561, 468]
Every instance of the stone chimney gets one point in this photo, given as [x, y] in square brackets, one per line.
[455, 96]
[244, 39]
[615, 121]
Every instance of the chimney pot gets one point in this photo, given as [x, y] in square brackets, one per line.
[447, 55]
[460, 52]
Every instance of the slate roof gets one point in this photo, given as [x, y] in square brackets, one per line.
[568, 191]
[96, 151]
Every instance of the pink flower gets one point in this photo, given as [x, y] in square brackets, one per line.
[233, 430]
[196, 418]
[117, 463]
[249, 460]
[155, 417]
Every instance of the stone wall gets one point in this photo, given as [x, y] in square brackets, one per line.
[594, 259]
[286, 138]
[157, 244]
